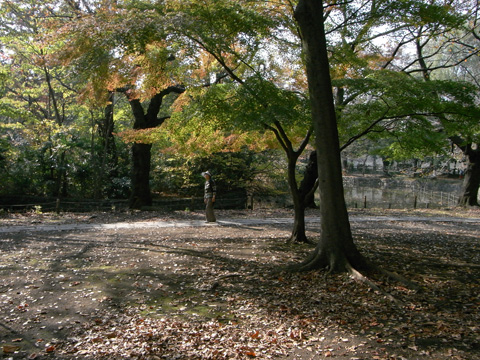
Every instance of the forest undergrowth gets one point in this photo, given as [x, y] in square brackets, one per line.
[219, 291]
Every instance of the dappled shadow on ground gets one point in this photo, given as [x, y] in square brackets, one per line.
[220, 292]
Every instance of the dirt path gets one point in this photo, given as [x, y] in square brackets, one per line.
[171, 287]
[228, 222]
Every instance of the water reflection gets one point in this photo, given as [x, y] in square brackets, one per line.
[401, 193]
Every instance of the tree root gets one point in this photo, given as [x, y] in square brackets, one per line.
[296, 238]
[355, 274]
[307, 241]
[313, 262]
[216, 283]
[319, 260]
[358, 276]
[396, 277]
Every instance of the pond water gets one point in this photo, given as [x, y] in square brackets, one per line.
[400, 193]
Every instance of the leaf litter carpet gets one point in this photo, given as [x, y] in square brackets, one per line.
[221, 291]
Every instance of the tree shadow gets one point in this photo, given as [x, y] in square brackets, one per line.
[81, 283]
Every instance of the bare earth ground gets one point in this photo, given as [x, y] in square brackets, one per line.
[220, 291]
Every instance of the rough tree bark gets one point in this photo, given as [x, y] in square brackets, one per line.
[335, 250]
[141, 153]
[471, 180]
[141, 157]
[309, 182]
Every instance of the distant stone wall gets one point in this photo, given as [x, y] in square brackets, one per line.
[414, 184]
[370, 164]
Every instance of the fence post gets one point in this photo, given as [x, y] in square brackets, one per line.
[57, 206]
[365, 202]
[415, 202]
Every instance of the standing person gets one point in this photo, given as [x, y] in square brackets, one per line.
[209, 198]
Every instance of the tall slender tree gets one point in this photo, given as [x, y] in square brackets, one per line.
[336, 250]
[41, 92]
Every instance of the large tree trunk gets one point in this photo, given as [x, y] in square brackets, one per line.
[141, 155]
[141, 194]
[335, 250]
[471, 181]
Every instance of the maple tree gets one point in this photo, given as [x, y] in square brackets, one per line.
[146, 66]
[194, 141]
[176, 45]
[374, 96]
[61, 153]
[248, 52]
[401, 94]
[435, 55]
[336, 249]
[38, 102]
[378, 90]
[130, 57]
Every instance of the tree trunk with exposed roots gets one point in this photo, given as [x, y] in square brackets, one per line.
[335, 250]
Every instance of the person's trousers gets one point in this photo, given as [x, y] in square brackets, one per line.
[209, 210]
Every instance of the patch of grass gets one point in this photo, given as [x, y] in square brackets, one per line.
[186, 305]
